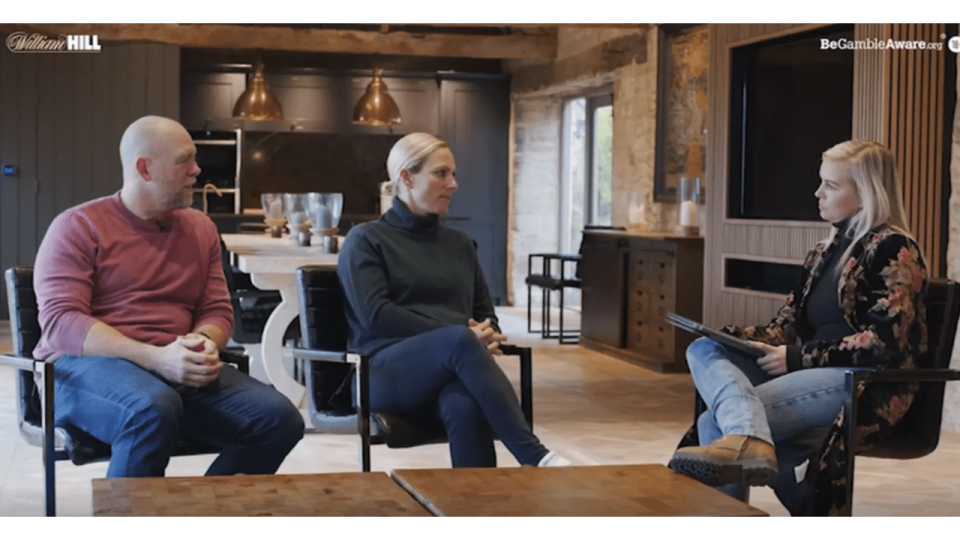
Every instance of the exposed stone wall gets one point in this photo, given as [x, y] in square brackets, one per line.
[535, 225]
[535, 175]
[634, 140]
[573, 40]
[535, 187]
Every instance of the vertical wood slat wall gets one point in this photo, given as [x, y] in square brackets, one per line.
[898, 101]
[915, 132]
[772, 241]
[61, 117]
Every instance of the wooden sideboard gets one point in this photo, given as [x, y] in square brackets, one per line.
[630, 282]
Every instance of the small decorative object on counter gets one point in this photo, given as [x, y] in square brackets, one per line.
[688, 194]
[386, 197]
[636, 215]
[298, 221]
[325, 209]
[273, 213]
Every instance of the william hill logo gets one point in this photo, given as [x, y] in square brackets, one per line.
[21, 42]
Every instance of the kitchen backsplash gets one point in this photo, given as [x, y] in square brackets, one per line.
[354, 165]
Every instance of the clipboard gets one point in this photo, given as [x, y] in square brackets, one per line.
[726, 339]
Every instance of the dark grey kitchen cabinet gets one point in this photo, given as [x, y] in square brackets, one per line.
[475, 120]
[312, 103]
[61, 119]
[206, 99]
[472, 113]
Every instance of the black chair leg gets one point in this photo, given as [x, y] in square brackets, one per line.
[49, 440]
[850, 419]
[526, 385]
[363, 411]
[568, 336]
[560, 334]
[545, 314]
[530, 329]
[562, 305]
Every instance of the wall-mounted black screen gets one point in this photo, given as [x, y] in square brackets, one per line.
[791, 99]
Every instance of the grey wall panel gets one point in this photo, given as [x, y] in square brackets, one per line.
[62, 118]
[474, 120]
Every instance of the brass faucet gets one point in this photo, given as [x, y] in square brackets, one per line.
[215, 190]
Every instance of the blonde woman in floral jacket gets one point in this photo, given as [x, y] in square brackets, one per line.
[859, 305]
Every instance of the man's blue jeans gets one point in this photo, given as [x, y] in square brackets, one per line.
[142, 416]
[449, 371]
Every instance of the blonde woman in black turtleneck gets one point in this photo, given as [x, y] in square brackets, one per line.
[418, 303]
[859, 304]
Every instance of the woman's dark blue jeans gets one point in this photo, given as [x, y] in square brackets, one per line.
[450, 371]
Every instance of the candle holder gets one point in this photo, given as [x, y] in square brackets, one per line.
[688, 195]
[298, 220]
[636, 218]
[272, 204]
[325, 210]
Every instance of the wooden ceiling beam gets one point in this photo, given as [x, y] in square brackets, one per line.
[622, 26]
[227, 36]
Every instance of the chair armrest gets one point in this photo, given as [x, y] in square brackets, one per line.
[558, 256]
[512, 350]
[906, 375]
[22, 363]
[547, 263]
[362, 362]
[239, 360]
[340, 357]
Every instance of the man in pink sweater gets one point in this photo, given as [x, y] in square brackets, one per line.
[134, 310]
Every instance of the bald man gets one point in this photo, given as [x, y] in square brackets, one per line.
[134, 310]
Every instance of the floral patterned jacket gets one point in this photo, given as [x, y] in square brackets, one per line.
[881, 289]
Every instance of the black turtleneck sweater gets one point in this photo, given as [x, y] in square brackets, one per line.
[407, 274]
[821, 308]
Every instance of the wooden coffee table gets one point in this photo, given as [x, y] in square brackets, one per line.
[336, 494]
[607, 490]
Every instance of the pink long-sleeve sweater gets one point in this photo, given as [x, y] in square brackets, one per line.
[152, 280]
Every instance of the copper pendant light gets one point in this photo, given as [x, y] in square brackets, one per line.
[376, 107]
[257, 102]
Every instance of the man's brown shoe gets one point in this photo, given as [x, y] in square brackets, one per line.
[729, 459]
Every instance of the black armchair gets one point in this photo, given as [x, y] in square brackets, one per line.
[916, 435]
[918, 432]
[251, 306]
[329, 369]
[35, 400]
[550, 282]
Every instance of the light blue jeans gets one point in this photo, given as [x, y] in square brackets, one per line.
[744, 400]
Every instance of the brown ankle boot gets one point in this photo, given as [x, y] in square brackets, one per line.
[729, 459]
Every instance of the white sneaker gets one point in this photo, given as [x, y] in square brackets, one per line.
[553, 460]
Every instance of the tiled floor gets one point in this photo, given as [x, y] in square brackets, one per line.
[591, 408]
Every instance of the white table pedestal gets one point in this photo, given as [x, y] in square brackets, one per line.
[272, 264]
